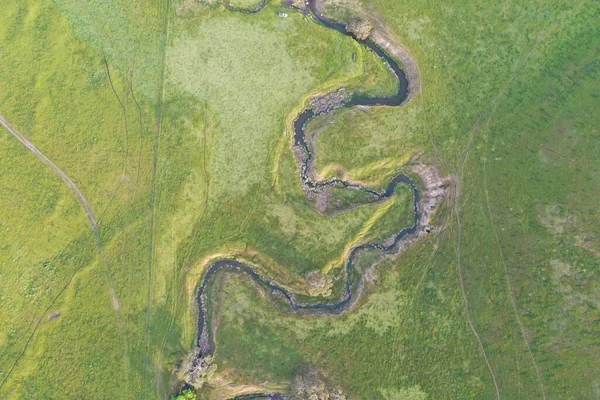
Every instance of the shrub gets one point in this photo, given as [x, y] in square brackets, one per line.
[359, 28]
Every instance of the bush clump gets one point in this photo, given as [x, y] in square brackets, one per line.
[186, 394]
[196, 370]
[359, 28]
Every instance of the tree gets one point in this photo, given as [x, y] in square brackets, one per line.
[187, 394]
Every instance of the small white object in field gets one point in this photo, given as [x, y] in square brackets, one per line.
[54, 315]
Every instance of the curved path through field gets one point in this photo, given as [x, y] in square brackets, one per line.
[73, 187]
[91, 217]
[64, 177]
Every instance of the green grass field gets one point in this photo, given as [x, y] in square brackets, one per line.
[173, 117]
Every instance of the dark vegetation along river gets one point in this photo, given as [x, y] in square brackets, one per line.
[305, 158]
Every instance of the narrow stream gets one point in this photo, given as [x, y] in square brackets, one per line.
[206, 341]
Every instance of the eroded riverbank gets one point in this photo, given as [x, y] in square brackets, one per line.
[426, 195]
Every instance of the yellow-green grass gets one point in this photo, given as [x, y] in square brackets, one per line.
[368, 146]
[204, 196]
[56, 91]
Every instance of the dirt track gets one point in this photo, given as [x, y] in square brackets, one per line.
[95, 230]
[65, 178]
[80, 197]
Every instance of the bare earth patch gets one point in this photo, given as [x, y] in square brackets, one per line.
[387, 41]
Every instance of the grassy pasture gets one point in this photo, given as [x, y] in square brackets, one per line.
[507, 109]
[189, 156]
[56, 91]
[106, 134]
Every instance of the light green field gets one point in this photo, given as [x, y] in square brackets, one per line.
[212, 119]
[189, 156]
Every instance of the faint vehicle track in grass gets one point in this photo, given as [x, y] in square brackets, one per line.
[125, 160]
[411, 299]
[114, 194]
[37, 324]
[64, 177]
[508, 282]
[152, 201]
[95, 231]
[124, 112]
[461, 280]
[551, 150]
[139, 109]
[466, 303]
[491, 111]
[181, 277]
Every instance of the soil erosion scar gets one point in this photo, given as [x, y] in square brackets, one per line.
[321, 189]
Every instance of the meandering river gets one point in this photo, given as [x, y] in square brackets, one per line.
[305, 157]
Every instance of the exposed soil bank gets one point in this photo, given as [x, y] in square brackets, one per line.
[425, 201]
